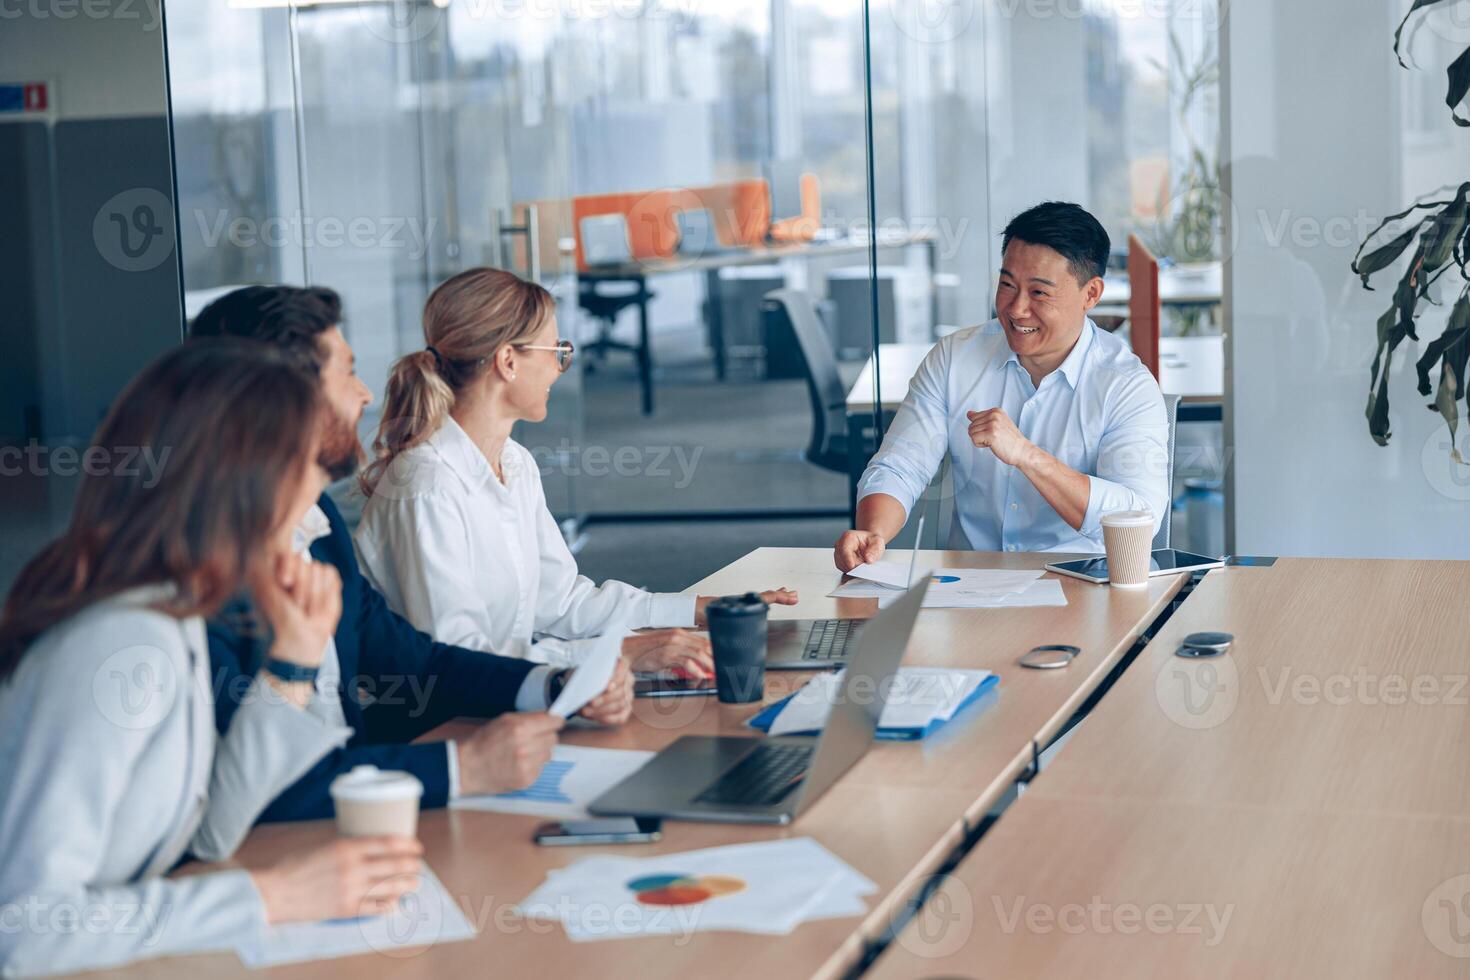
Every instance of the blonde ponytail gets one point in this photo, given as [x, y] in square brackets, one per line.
[418, 401]
[466, 320]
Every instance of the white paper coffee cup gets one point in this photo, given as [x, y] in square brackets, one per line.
[1128, 539]
[373, 802]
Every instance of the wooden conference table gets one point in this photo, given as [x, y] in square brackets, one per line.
[1300, 808]
[897, 816]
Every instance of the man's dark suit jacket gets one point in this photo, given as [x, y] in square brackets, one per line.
[397, 684]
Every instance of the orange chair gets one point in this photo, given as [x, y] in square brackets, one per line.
[1144, 309]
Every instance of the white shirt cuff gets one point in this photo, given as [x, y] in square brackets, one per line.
[557, 652]
[453, 760]
[671, 609]
[532, 695]
[1104, 497]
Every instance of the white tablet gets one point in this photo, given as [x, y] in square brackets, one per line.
[1165, 561]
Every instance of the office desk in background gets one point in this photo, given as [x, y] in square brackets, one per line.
[916, 800]
[639, 272]
[1315, 784]
[1179, 287]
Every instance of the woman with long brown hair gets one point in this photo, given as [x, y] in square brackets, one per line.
[456, 533]
[110, 768]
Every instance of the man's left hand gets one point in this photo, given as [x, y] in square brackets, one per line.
[993, 429]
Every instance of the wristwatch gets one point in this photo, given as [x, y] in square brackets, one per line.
[555, 681]
[289, 672]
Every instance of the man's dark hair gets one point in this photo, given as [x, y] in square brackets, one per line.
[1066, 229]
[287, 317]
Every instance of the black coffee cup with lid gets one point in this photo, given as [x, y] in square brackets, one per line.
[737, 634]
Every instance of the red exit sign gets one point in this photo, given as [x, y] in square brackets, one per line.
[25, 97]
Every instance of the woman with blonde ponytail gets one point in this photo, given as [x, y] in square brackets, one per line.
[456, 533]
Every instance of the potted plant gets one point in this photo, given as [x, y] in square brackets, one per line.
[1434, 233]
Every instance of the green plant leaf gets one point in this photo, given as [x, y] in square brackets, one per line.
[1377, 411]
[1459, 83]
[1443, 230]
[1454, 331]
[1430, 281]
[1457, 356]
[1406, 300]
[1389, 256]
[1383, 256]
[1452, 388]
[1396, 323]
[1445, 404]
[1398, 34]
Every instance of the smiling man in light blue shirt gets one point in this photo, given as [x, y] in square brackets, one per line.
[1049, 422]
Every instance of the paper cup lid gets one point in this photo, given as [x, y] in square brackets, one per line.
[369, 784]
[1127, 518]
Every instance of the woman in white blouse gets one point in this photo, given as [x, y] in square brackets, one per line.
[456, 532]
[110, 768]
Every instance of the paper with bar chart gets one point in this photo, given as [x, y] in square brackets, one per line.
[575, 776]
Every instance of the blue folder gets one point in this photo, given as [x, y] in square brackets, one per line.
[767, 716]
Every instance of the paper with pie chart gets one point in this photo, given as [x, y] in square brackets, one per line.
[962, 588]
[770, 887]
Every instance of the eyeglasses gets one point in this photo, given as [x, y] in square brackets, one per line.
[563, 350]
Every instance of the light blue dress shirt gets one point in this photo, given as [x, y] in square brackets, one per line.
[1101, 413]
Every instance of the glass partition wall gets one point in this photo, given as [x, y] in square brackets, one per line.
[862, 156]
[985, 108]
[661, 167]
[664, 166]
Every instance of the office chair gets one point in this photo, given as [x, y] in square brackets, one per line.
[830, 446]
[604, 307]
[1161, 539]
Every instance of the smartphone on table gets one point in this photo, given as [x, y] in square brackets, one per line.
[662, 686]
[601, 830]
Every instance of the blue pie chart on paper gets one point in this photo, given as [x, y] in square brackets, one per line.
[945, 579]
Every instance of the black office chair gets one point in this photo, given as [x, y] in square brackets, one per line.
[831, 445]
[604, 301]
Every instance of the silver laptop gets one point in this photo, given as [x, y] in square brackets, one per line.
[697, 234]
[605, 239]
[820, 644]
[772, 780]
[783, 181]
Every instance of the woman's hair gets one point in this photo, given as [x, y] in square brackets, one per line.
[229, 423]
[466, 320]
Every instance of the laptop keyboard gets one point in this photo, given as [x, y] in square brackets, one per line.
[829, 638]
[762, 778]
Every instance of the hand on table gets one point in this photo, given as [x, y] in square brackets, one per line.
[349, 877]
[856, 548]
[771, 597]
[684, 653]
[507, 753]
